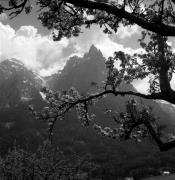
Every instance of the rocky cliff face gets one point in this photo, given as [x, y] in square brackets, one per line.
[19, 87]
[82, 72]
[18, 84]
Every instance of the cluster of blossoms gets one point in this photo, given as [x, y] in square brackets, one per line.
[59, 103]
[127, 70]
[108, 132]
[113, 74]
[130, 125]
[83, 114]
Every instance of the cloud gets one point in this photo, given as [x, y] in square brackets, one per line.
[101, 41]
[41, 54]
[108, 47]
[35, 51]
[128, 31]
[27, 31]
[142, 85]
[3, 17]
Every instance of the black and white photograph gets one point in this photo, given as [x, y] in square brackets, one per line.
[87, 89]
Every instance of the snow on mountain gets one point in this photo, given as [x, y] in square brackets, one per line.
[17, 83]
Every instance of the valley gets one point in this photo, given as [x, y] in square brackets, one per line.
[20, 87]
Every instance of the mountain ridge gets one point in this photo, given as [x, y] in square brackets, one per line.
[20, 87]
[80, 72]
[113, 157]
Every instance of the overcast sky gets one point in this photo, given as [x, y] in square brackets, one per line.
[24, 38]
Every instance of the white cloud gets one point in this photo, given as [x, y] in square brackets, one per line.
[108, 47]
[43, 55]
[35, 51]
[172, 82]
[101, 41]
[128, 31]
[142, 85]
[27, 31]
[3, 17]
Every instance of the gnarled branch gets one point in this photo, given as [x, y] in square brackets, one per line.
[157, 27]
[160, 28]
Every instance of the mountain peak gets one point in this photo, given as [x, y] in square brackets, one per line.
[95, 55]
[81, 71]
[94, 51]
[93, 48]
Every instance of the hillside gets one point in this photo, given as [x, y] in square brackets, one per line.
[114, 157]
[20, 87]
[82, 72]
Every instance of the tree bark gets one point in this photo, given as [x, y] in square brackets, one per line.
[163, 72]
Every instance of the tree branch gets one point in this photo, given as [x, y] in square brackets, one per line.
[15, 6]
[122, 93]
[163, 72]
[159, 28]
[163, 146]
